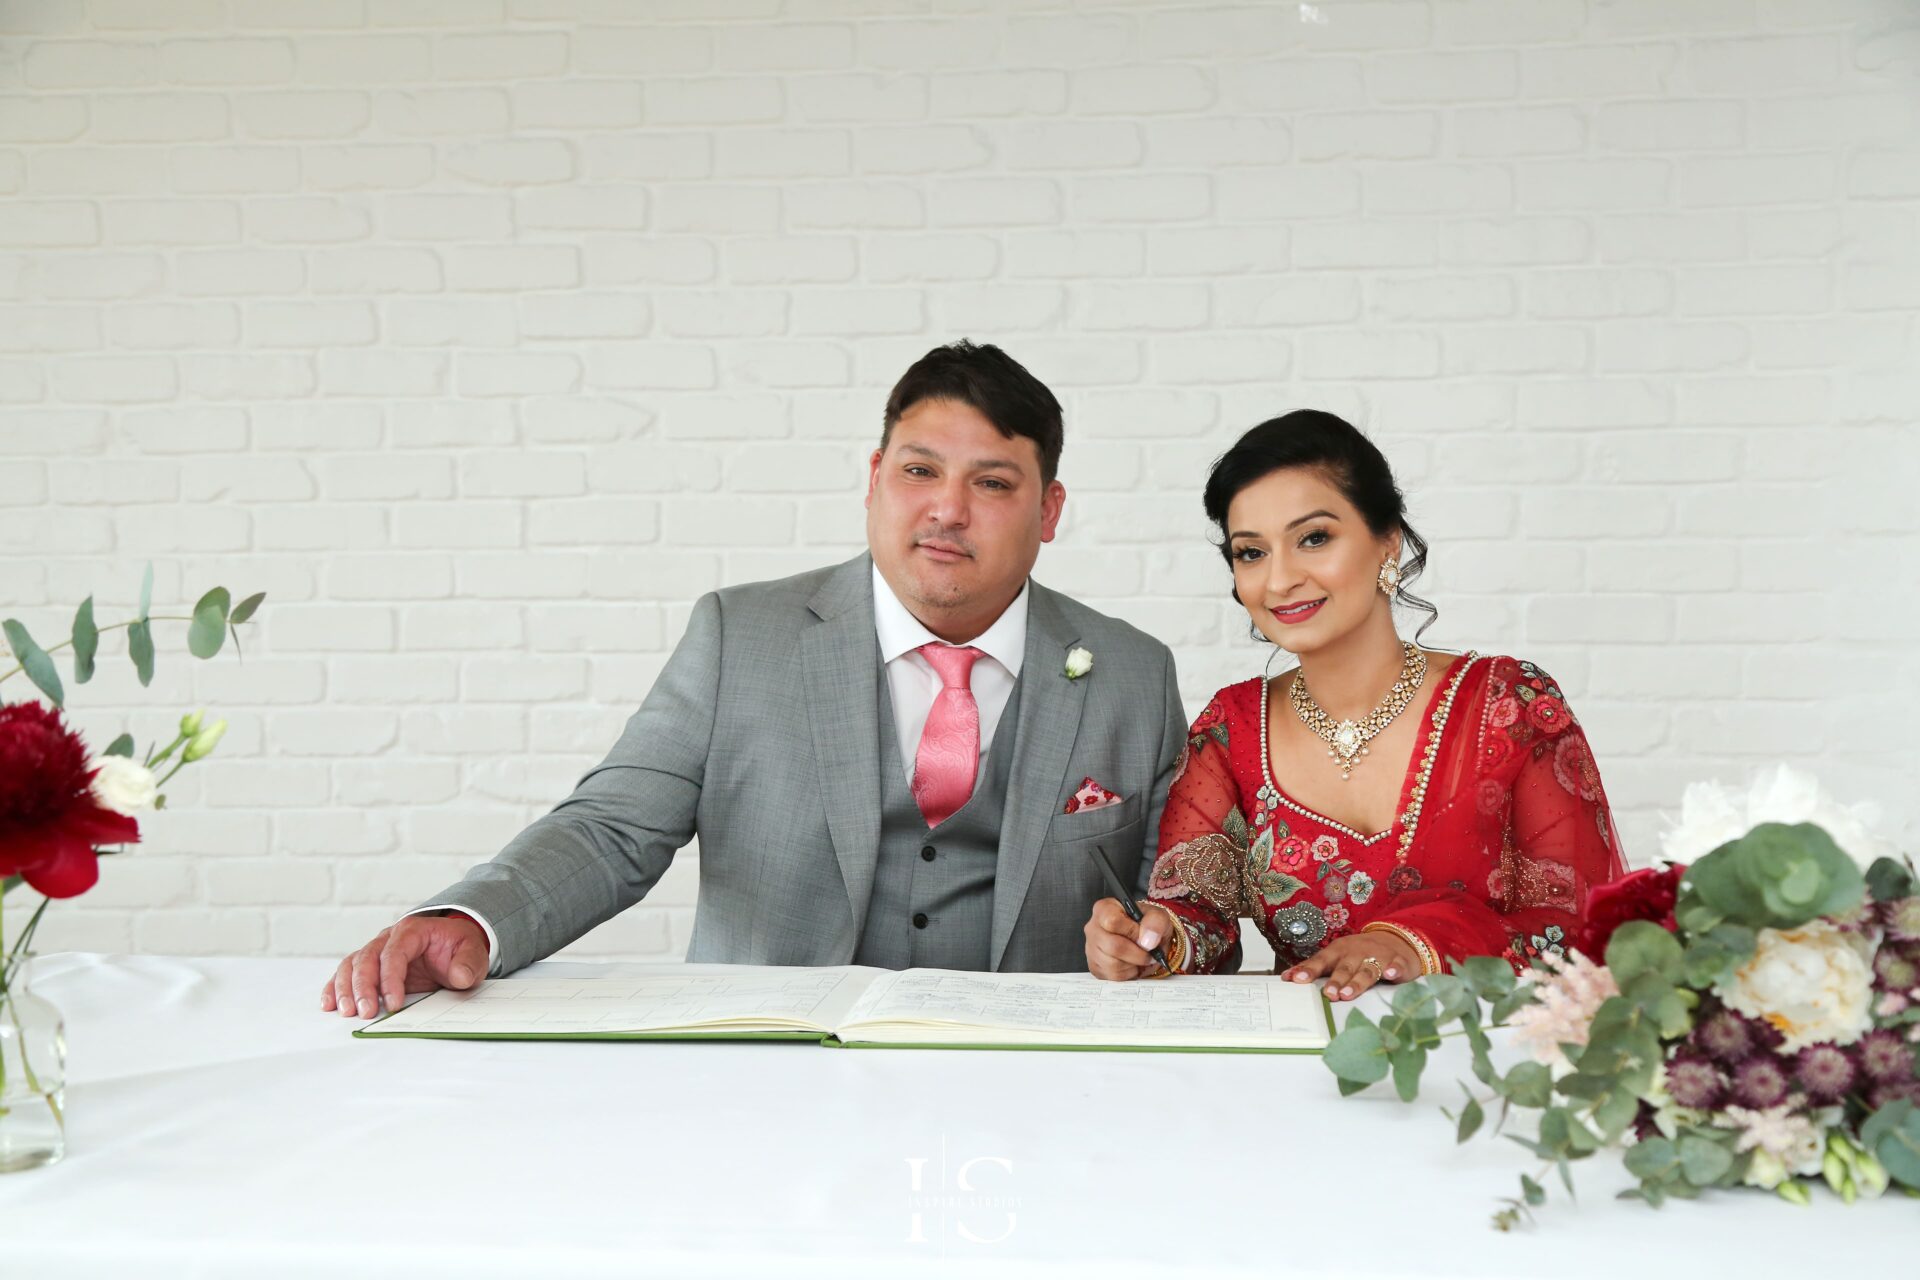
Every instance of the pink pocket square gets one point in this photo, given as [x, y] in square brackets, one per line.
[1091, 795]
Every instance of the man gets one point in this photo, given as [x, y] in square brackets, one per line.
[903, 760]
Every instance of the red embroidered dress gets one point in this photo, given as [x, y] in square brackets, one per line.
[1502, 829]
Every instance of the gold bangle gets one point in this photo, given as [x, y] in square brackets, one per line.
[1176, 945]
[1429, 962]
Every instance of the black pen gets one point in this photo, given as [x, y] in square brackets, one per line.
[1127, 904]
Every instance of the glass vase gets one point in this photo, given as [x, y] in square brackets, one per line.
[33, 1077]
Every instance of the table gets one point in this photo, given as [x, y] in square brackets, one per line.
[221, 1126]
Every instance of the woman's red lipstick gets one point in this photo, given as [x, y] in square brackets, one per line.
[1298, 613]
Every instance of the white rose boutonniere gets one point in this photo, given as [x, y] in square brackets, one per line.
[1079, 662]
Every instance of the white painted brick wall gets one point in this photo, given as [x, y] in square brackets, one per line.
[487, 336]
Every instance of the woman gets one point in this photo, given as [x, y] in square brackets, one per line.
[1381, 809]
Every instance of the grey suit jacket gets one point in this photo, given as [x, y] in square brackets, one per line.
[762, 735]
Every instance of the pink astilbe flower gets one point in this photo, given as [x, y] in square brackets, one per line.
[1568, 991]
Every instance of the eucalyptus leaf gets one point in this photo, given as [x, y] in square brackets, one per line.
[35, 662]
[1356, 1053]
[209, 628]
[244, 610]
[1536, 1195]
[120, 746]
[1529, 1084]
[1779, 876]
[1407, 1066]
[1471, 1117]
[1614, 1112]
[1892, 1134]
[1889, 879]
[1651, 1158]
[1412, 1000]
[1506, 1005]
[1641, 946]
[1702, 1161]
[86, 641]
[140, 649]
[146, 593]
[1489, 976]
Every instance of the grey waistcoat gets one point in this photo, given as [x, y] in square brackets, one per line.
[952, 891]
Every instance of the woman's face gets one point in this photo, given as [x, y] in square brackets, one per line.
[1305, 564]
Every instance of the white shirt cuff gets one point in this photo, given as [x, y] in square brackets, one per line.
[493, 943]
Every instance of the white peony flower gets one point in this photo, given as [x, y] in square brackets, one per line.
[1079, 662]
[1711, 815]
[123, 785]
[1568, 991]
[1812, 984]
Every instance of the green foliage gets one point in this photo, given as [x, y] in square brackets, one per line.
[35, 662]
[140, 649]
[1776, 876]
[86, 641]
[1892, 1135]
[209, 629]
[1889, 879]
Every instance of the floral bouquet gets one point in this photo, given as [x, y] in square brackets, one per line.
[1753, 1024]
[60, 807]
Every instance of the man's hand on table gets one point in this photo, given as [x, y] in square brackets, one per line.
[420, 953]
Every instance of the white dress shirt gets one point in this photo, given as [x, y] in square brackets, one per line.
[912, 683]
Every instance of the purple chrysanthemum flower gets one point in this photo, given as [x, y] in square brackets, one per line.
[1696, 1082]
[1885, 1056]
[1825, 1072]
[1724, 1036]
[1759, 1083]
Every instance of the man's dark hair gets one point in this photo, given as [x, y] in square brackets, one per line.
[991, 381]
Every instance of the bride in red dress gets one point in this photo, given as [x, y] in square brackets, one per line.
[1379, 810]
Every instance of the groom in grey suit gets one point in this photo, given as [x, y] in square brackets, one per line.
[852, 805]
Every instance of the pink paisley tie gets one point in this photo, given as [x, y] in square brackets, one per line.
[949, 757]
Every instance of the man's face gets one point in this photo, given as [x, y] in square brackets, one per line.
[956, 513]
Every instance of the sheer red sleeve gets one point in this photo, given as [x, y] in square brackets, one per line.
[1521, 831]
[1203, 841]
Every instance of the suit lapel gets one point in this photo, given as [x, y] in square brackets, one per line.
[840, 659]
[1049, 722]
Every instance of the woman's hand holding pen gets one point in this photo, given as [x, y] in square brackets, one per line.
[1117, 948]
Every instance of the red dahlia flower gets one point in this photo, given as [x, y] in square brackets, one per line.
[50, 821]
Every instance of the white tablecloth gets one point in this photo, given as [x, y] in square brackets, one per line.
[221, 1126]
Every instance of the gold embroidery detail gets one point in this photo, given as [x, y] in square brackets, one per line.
[1209, 867]
[1411, 818]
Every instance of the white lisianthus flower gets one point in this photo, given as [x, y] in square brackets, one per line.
[1079, 662]
[1711, 815]
[122, 785]
[1812, 984]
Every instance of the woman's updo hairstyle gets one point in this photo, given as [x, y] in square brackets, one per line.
[1337, 450]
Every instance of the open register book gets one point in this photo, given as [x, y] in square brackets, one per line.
[858, 1007]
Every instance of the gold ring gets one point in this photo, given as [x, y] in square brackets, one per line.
[1378, 970]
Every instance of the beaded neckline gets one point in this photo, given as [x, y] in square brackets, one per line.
[1437, 715]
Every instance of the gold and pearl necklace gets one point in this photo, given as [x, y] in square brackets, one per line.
[1347, 739]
